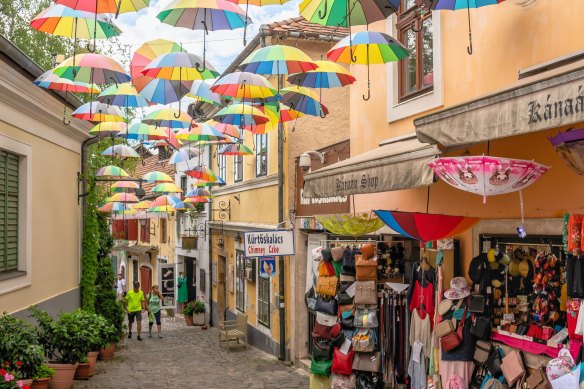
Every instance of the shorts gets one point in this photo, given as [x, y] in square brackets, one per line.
[156, 317]
[132, 315]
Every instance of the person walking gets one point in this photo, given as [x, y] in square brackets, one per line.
[183, 290]
[121, 286]
[135, 304]
[154, 304]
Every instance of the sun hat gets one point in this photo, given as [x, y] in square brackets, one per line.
[524, 268]
[458, 289]
[514, 267]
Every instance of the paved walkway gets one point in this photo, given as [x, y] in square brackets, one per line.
[189, 357]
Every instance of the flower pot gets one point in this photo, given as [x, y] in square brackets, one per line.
[92, 359]
[83, 371]
[41, 383]
[108, 352]
[189, 320]
[64, 373]
[199, 319]
[27, 381]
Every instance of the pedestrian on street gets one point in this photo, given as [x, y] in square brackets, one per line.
[183, 290]
[121, 286]
[136, 303]
[154, 303]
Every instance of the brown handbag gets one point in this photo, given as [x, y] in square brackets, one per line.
[337, 253]
[365, 293]
[366, 269]
[444, 328]
[326, 268]
[367, 361]
[327, 286]
[513, 367]
[538, 380]
[368, 250]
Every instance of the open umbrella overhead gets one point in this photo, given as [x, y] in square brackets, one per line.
[183, 155]
[202, 173]
[570, 147]
[207, 15]
[328, 75]
[347, 13]
[105, 6]
[180, 66]
[425, 227]
[235, 149]
[124, 186]
[157, 177]
[167, 187]
[144, 132]
[104, 129]
[487, 176]
[225, 129]
[112, 206]
[201, 91]
[165, 117]
[241, 114]
[198, 132]
[123, 198]
[50, 80]
[92, 68]
[122, 95]
[350, 224]
[121, 151]
[244, 85]
[277, 59]
[111, 172]
[98, 112]
[303, 100]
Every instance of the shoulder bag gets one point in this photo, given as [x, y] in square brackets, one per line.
[482, 352]
[366, 269]
[481, 327]
[342, 363]
[538, 380]
[444, 328]
[366, 293]
[326, 305]
[513, 367]
[337, 253]
[367, 361]
[366, 317]
[341, 381]
[327, 286]
[321, 367]
[477, 303]
[364, 340]
[325, 268]
[326, 319]
[494, 363]
[321, 349]
[454, 339]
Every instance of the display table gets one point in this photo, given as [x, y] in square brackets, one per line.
[525, 345]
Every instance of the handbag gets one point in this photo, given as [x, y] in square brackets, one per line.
[348, 319]
[368, 381]
[368, 250]
[494, 363]
[326, 319]
[342, 363]
[321, 349]
[321, 367]
[326, 305]
[339, 338]
[319, 382]
[538, 380]
[326, 332]
[327, 286]
[366, 269]
[478, 376]
[344, 299]
[325, 269]
[339, 381]
[367, 361]
[481, 327]
[444, 328]
[513, 367]
[482, 351]
[365, 317]
[453, 339]
[337, 253]
[477, 303]
[366, 293]
[348, 258]
[346, 277]
[364, 340]
[327, 255]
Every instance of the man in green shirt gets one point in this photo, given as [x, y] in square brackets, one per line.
[135, 303]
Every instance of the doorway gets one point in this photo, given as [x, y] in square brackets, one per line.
[145, 279]
[191, 276]
[221, 287]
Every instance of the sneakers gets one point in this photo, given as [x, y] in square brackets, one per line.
[129, 335]
[149, 334]
[139, 338]
[159, 336]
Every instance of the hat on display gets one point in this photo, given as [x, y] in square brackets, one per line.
[497, 293]
[524, 268]
[458, 289]
[514, 267]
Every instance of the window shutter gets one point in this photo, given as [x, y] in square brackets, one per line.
[118, 229]
[145, 232]
[132, 229]
[8, 211]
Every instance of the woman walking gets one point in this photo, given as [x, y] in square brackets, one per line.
[154, 304]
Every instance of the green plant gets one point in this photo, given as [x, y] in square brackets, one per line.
[43, 371]
[97, 329]
[106, 303]
[20, 349]
[90, 250]
[194, 306]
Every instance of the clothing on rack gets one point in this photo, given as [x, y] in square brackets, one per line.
[420, 331]
[417, 367]
[461, 368]
[422, 288]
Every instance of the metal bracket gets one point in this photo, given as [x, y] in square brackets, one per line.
[224, 210]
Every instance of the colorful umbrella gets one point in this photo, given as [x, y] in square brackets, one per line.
[465, 4]
[112, 207]
[258, 3]
[304, 100]
[180, 66]
[92, 68]
[198, 200]
[570, 146]
[169, 140]
[144, 204]
[425, 227]
[144, 132]
[124, 186]
[183, 155]
[367, 48]
[123, 198]
[202, 173]
[105, 6]
[225, 129]
[122, 95]
[182, 206]
[50, 80]
[277, 59]
[98, 112]
[121, 151]
[244, 85]
[235, 149]
[202, 183]
[166, 118]
[167, 187]
[111, 172]
[487, 176]
[241, 114]
[328, 75]
[157, 177]
[199, 132]
[201, 91]
[349, 224]
[347, 13]
[164, 201]
[156, 90]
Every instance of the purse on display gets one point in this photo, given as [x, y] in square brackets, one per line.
[326, 305]
[337, 253]
[342, 363]
[327, 286]
[348, 319]
[522, 329]
[326, 318]
[324, 331]
[325, 269]
[538, 380]
[493, 363]
[346, 277]
[368, 250]
[348, 259]
[368, 381]
[534, 331]
[477, 303]
[444, 328]
[319, 382]
[454, 339]
[366, 269]
[321, 367]
[364, 340]
[482, 351]
[513, 367]
[366, 318]
[327, 255]
[344, 299]
[366, 293]
[478, 376]
[340, 381]
[481, 327]
[321, 349]
[367, 361]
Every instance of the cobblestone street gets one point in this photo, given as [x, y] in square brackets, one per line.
[189, 357]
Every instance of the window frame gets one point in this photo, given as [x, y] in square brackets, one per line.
[237, 168]
[184, 184]
[145, 231]
[260, 140]
[263, 301]
[9, 160]
[163, 230]
[240, 280]
[222, 166]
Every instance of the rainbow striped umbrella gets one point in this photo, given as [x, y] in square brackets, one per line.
[105, 6]
[180, 66]
[244, 85]
[199, 132]
[98, 112]
[170, 139]
[258, 3]
[202, 183]
[198, 200]
[328, 75]
[241, 114]
[202, 173]
[123, 198]
[277, 59]
[92, 68]
[182, 206]
[226, 129]
[200, 90]
[183, 155]
[124, 186]
[144, 204]
[108, 128]
[303, 100]
[284, 114]
[144, 132]
[198, 192]
[157, 177]
[122, 95]
[167, 187]
[121, 151]
[114, 206]
[111, 172]
[50, 80]
[164, 203]
[347, 13]
[235, 149]
[166, 118]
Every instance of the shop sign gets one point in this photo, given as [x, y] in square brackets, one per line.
[267, 267]
[269, 243]
[166, 274]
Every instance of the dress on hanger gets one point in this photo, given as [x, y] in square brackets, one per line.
[421, 289]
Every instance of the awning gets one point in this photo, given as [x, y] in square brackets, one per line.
[139, 249]
[120, 247]
[399, 163]
[528, 107]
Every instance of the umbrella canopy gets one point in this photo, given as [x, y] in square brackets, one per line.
[144, 132]
[123, 198]
[203, 183]
[108, 128]
[199, 132]
[105, 6]
[277, 59]
[195, 199]
[166, 118]
[182, 206]
[244, 85]
[198, 192]
[241, 114]
[170, 139]
[144, 204]
[111, 172]
[183, 155]
[50, 80]
[165, 200]
[124, 186]
[92, 68]
[157, 177]
[487, 176]
[235, 149]
[98, 112]
[350, 224]
[328, 75]
[122, 95]
[180, 66]
[570, 146]
[425, 227]
[303, 100]
[347, 13]
[121, 151]
[225, 129]
[208, 15]
[115, 206]
[167, 187]
[202, 173]
[201, 91]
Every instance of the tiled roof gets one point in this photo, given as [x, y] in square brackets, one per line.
[151, 163]
[305, 28]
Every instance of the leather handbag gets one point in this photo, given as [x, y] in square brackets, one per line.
[348, 258]
[326, 305]
[364, 340]
[344, 299]
[366, 318]
[327, 286]
[367, 361]
[342, 363]
[321, 349]
[444, 328]
[482, 351]
[477, 303]
[366, 269]
[347, 320]
[453, 339]
[346, 278]
[369, 381]
[366, 293]
[337, 253]
[538, 380]
[321, 367]
[321, 331]
[325, 269]
[326, 319]
[340, 381]
[494, 363]
[513, 367]
[368, 250]
[327, 255]
[481, 327]
[534, 331]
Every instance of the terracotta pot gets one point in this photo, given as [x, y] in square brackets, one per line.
[189, 320]
[92, 359]
[83, 371]
[64, 373]
[108, 352]
[41, 383]
[27, 381]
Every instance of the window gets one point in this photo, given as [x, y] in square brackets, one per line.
[222, 163]
[163, 231]
[238, 168]
[183, 184]
[9, 178]
[264, 301]
[261, 154]
[125, 229]
[164, 153]
[416, 73]
[145, 230]
[239, 280]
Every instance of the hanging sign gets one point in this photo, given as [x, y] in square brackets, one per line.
[269, 243]
[166, 274]
[267, 267]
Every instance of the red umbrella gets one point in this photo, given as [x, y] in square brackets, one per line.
[425, 227]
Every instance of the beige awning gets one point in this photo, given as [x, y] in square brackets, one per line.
[139, 249]
[529, 106]
[399, 163]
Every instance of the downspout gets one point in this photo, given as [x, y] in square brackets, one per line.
[208, 235]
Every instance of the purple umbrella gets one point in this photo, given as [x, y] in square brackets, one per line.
[570, 146]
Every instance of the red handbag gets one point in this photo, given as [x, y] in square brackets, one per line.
[534, 331]
[326, 332]
[343, 363]
[454, 339]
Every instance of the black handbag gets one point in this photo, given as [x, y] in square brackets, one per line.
[349, 258]
[338, 340]
[368, 381]
[481, 327]
[327, 255]
[477, 303]
[344, 299]
[494, 363]
[478, 376]
[326, 305]
[321, 349]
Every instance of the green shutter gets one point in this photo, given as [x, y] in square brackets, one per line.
[8, 211]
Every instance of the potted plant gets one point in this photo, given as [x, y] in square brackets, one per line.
[8, 380]
[42, 377]
[20, 349]
[83, 370]
[99, 332]
[199, 313]
[188, 313]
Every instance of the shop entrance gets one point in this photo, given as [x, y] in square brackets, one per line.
[145, 279]
[221, 287]
[191, 276]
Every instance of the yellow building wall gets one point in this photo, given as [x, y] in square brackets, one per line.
[55, 251]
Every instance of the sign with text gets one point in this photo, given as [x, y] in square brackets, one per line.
[166, 276]
[269, 243]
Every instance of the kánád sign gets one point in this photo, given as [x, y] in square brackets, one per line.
[269, 243]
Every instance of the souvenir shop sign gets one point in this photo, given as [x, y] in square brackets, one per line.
[541, 105]
[267, 267]
[269, 243]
